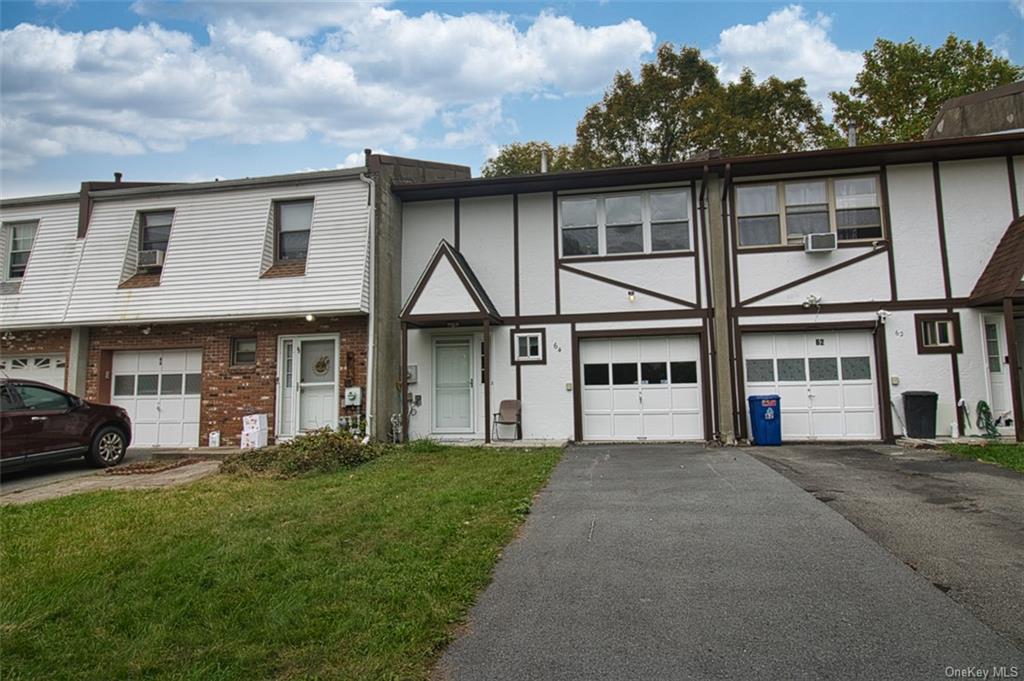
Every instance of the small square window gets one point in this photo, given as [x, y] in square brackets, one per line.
[243, 351]
[528, 346]
[937, 333]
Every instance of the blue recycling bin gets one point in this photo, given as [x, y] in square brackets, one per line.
[765, 420]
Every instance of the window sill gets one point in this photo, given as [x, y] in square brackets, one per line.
[627, 256]
[286, 268]
[861, 243]
[141, 280]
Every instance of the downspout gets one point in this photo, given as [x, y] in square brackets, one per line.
[371, 349]
[710, 293]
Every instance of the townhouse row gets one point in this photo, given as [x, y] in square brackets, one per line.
[626, 304]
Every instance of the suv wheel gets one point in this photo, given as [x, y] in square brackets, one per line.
[108, 448]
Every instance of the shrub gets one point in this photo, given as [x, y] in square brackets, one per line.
[320, 451]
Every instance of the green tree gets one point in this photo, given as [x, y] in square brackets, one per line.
[902, 86]
[523, 158]
[676, 108]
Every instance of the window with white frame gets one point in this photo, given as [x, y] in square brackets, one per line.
[626, 224]
[780, 213]
[937, 333]
[21, 236]
[155, 230]
[528, 346]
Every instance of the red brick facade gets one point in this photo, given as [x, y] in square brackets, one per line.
[228, 392]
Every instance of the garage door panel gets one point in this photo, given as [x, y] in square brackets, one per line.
[657, 398]
[796, 424]
[657, 426]
[174, 362]
[147, 409]
[598, 426]
[828, 424]
[172, 409]
[855, 343]
[862, 424]
[687, 426]
[654, 349]
[149, 362]
[686, 398]
[595, 352]
[859, 396]
[49, 369]
[149, 385]
[794, 397]
[826, 396]
[790, 346]
[626, 399]
[624, 350]
[597, 400]
[626, 426]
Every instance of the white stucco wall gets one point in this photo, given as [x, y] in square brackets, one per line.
[425, 224]
[915, 232]
[536, 255]
[486, 241]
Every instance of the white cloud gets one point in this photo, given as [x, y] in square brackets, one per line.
[1018, 5]
[789, 44]
[363, 75]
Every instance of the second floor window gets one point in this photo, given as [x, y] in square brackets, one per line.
[22, 235]
[620, 224]
[155, 230]
[292, 221]
[781, 213]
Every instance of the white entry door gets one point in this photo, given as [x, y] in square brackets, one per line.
[160, 391]
[453, 385]
[825, 380]
[308, 383]
[645, 388]
[1000, 400]
[48, 369]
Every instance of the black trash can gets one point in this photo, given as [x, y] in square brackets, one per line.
[919, 412]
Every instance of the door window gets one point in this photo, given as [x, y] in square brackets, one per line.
[317, 361]
[42, 399]
[995, 357]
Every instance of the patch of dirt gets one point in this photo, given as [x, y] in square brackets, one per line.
[144, 467]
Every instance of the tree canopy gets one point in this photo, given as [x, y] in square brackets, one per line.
[902, 86]
[678, 106]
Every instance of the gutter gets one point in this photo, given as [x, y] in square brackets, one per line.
[371, 342]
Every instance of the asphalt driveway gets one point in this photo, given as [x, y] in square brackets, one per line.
[675, 562]
[959, 523]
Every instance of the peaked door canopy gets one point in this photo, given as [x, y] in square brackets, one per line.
[448, 292]
[1003, 277]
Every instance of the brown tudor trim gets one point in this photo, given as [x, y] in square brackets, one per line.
[1011, 173]
[813, 275]
[487, 381]
[883, 183]
[554, 228]
[515, 250]
[881, 359]
[940, 219]
[1013, 364]
[628, 286]
[421, 285]
[953, 317]
[583, 318]
[860, 306]
[515, 331]
[456, 219]
[577, 393]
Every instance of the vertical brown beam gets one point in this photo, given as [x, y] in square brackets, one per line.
[554, 229]
[577, 388]
[884, 396]
[1011, 174]
[884, 180]
[487, 381]
[954, 361]
[709, 291]
[1013, 364]
[405, 382]
[457, 209]
[515, 260]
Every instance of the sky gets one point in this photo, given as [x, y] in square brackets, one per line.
[195, 90]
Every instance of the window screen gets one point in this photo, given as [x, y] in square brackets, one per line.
[757, 211]
[579, 227]
[806, 208]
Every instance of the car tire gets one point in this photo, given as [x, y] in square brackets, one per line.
[108, 448]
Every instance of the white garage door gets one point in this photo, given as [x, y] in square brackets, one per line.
[826, 381]
[48, 369]
[160, 391]
[641, 388]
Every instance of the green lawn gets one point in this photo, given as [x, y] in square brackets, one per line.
[355, 575]
[1003, 453]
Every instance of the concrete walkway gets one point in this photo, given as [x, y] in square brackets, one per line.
[669, 562]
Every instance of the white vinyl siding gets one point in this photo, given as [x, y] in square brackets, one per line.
[211, 272]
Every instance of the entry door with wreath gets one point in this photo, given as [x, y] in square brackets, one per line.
[309, 383]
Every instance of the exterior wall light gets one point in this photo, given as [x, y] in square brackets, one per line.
[631, 295]
[310, 318]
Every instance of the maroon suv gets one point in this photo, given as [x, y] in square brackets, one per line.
[40, 423]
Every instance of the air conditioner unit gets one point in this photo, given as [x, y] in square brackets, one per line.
[819, 243]
[150, 259]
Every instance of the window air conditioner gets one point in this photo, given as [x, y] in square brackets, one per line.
[151, 259]
[819, 243]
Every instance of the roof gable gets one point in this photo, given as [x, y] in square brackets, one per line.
[448, 288]
[1002, 276]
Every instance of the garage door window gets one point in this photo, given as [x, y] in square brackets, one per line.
[624, 374]
[823, 369]
[792, 370]
[595, 374]
[654, 373]
[124, 385]
[760, 371]
[856, 368]
[192, 383]
[684, 372]
[170, 384]
[148, 384]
